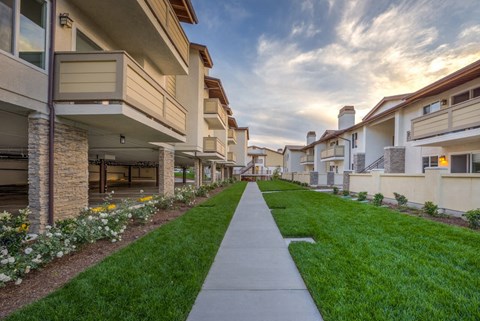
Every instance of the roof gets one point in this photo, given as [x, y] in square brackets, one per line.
[292, 148]
[383, 101]
[184, 11]
[257, 147]
[232, 123]
[204, 54]
[215, 89]
[455, 79]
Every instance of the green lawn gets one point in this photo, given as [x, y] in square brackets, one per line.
[156, 278]
[190, 175]
[278, 185]
[375, 264]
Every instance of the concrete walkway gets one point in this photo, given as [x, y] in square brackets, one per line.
[253, 277]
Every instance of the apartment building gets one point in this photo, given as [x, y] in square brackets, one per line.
[89, 93]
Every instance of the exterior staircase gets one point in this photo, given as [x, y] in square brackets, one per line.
[378, 164]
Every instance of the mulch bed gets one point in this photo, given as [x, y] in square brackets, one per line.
[39, 283]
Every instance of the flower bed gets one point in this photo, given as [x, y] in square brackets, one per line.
[21, 252]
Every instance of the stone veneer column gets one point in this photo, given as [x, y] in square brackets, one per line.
[38, 129]
[71, 171]
[358, 162]
[314, 178]
[394, 159]
[330, 178]
[222, 173]
[166, 178]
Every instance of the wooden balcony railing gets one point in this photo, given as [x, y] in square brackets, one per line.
[215, 114]
[232, 136]
[231, 157]
[307, 159]
[105, 77]
[168, 20]
[336, 151]
[459, 117]
[213, 145]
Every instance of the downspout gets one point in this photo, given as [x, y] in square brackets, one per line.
[51, 108]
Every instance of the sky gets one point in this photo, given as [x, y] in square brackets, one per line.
[288, 66]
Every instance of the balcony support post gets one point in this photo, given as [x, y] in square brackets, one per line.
[213, 171]
[166, 178]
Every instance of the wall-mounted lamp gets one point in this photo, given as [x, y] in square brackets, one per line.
[65, 20]
[443, 160]
[444, 102]
[122, 139]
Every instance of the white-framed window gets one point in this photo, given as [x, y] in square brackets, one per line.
[354, 140]
[465, 95]
[465, 163]
[23, 30]
[429, 161]
[433, 107]
[83, 43]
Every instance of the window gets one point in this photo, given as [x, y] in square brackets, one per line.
[354, 140]
[429, 161]
[476, 163]
[29, 39]
[476, 92]
[460, 163]
[6, 25]
[460, 98]
[83, 43]
[32, 40]
[433, 107]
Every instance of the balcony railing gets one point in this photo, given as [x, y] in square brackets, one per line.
[112, 77]
[213, 145]
[150, 28]
[336, 151]
[459, 117]
[215, 114]
[232, 136]
[307, 159]
[170, 23]
[231, 157]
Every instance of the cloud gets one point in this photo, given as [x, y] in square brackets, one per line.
[298, 81]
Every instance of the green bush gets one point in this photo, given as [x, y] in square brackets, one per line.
[378, 199]
[362, 196]
[430, 208]
[473, 218]
[346, 192]
[401, 199]
[335, 190]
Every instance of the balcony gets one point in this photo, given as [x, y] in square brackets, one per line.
[132, 24]
[308, 159]
[232, 137]
[110, 90]
[213, 145]
[231, 157]
[333, 153]
[453, 121]
[214, 113]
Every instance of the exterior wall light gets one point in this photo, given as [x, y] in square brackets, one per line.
[122, 139]
[443, 160]
[444, 102]
[65, 20]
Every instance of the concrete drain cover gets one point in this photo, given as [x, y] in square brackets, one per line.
[299, 239]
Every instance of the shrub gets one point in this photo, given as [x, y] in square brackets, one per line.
[362, 196]
[346, 192]
[430, 208]
[377, 199]
[164, 202]
[13, 230]
[473, 218]
[335, 190]
[202, 191]
[401, 199]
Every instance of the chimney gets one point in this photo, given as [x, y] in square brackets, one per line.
[311, 137]
[346, 117]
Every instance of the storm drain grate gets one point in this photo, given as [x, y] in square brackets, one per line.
[289, 240]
